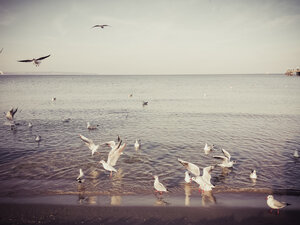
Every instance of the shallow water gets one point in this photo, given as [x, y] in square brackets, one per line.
[255, 117]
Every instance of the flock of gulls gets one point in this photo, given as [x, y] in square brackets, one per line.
[117, 148]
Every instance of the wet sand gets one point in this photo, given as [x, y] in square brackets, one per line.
[229, 209]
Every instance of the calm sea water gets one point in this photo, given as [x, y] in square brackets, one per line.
[254, 117]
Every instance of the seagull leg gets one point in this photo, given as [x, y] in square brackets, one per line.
[199, 190]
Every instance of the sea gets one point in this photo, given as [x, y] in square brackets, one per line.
[256, 118]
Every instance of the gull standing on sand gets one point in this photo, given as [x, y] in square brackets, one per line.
[159, 187]
[253, 174]
[190, 167]
[36, 62]
[208, 149]
[296, 154]
[137, 145]
[226, 159]
[10, 114]
[187, 177]
[274, 204]
[81, 176]
[89, 143]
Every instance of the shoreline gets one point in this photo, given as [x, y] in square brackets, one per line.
[227, 209]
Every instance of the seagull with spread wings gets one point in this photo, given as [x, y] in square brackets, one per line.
[100, 25]
[36, 62]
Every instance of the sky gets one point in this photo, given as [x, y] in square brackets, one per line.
[150, 36]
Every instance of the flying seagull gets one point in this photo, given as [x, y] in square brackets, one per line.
[100, 25]
[1, 50]
[89, 143]
[10, 114]
[36, 62]
[226, 159]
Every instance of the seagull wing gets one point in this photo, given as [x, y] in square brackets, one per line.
[96, 26]
[190, 167]
[26, 60]
[226, 154]
[86, 140]
[44, 57]
[13, 112]
[113, 158]
[279, 204]
[225, 159]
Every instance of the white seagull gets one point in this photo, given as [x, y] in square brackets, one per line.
[38, 138]
[115, 153]
[208, 149]
[108, 167]
[187, 177]
[36, 62]
[136, 145]
[190, 167]
[90, 144]
[226, 159]
[30, 125]
[80, 177]
[53, 99]
[90, 127]
[204, 180]
[296, 154]
[253, 174]
[274, 204]
[100, 25]
[159, 187]
[10, 114]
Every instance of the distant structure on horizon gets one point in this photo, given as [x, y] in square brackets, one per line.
[292, 72]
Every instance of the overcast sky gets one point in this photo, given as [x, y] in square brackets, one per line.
[151, 36]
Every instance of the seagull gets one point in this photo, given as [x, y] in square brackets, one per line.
[207, 148]
[226, 159]
[100, 25]
[187, 177]
[38, 138]
[30, 125]
[130, 95]
[274, 204]
[145, 103]
[36, 62]
[1, 50]
[53, 99]
[190, 167]
[90, 127]
[204, 180]
[108, 167]
[115, 153]
[159, 187]
[90, 144]
[136, 145]
[80, 177]
[66, 120]
[10, 114]
[253, 174]
[296, 154]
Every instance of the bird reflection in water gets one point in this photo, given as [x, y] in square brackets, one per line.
[160, 201]
[187, 191]
[208, 198]
[82, 198]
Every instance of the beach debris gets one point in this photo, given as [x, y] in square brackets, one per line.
[226, 159]
[100, 25]
[137, 144]
[159, 187]
[11, 113]
[296, 154]
[253, 174]
[89, 143]
[36, 62]
[190, 167]
[274, 204]
[208, 149]
[81, 176]
[187, 177]
[91, 127]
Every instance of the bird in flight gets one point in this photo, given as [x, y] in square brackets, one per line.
[100, 25]
[1, 50]
[36, 62]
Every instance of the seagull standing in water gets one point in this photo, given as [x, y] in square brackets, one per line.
[10, 114]
[89, 143]
[253, 174]
[90, 127]
[80, 177]
[36, 62]
[208, 149]
[274, 204]
[38, 138]
[159, 187]
[190, 167]
[226, 159]
[296, 154]
[108, 167]
[187, 177]
[137, 145]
